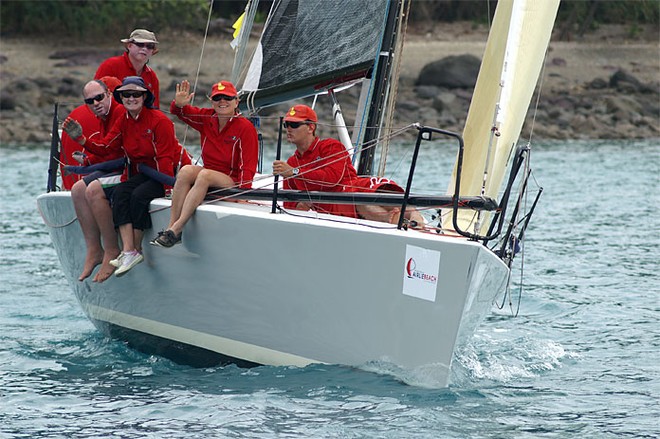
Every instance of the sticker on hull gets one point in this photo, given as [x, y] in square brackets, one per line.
[420, 272]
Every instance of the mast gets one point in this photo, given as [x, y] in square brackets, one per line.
[381, 76]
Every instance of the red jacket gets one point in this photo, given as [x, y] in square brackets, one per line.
[93, 128]
[234, 150]
[149, 139]
[121, 67]
[325, 166]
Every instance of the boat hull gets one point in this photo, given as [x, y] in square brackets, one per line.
[252, 287]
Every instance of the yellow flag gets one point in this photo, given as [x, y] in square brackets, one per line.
[237, 26]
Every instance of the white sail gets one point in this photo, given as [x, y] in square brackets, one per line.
[513, 58]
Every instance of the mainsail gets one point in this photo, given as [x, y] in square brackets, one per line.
[512, 60]
[314, 45]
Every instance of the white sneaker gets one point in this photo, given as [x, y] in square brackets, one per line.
[130, 260]
[117, 261]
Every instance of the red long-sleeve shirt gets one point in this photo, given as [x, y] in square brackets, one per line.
[234, 150]
[93, 128]
[325, 166]
[149, 139]
[121, 67]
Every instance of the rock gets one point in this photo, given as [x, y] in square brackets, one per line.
[622, 105]
[427, 91]
[451, 72]
[7, 101]
[560, 62]
[624, 81]
[408, 106]
[598, 84]
[82, 57]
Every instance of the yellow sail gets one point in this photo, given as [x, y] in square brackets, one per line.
[509, 71]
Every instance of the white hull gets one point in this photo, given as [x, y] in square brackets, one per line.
[278, 289]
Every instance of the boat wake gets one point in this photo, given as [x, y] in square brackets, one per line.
[490, 359]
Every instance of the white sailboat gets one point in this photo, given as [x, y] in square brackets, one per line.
[253, 284]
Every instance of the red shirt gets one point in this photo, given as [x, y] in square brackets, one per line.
[121, 67]
[325, 166]
[149, 139]
[93, 127]
[234, 150]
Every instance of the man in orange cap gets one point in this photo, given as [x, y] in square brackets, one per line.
[316, 165]
[230, 152]
[324, 165]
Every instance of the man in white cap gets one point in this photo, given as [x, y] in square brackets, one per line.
[141, 45]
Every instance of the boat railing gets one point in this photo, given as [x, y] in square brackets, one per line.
[51, 185]
[455, 201]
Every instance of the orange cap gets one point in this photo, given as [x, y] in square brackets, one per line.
[111, 82]
[223, 88]
[300, 113]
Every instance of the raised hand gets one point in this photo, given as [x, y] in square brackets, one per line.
[73, 129]
[183, 95]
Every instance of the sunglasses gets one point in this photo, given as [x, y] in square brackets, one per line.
[150, 46]
[294, 125]
[218, 98]
[97, 98]
[131, 94]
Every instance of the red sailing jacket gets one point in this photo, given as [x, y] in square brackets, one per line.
[93, 128]
[121, 67]
[234, 150]
[149, 139]
[325, 166]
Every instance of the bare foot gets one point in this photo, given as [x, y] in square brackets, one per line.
[104, 272]
[106, 269]
[91, 262]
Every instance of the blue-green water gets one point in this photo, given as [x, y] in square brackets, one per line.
[582, 359]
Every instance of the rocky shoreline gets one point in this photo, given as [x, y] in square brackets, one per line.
[605, 88]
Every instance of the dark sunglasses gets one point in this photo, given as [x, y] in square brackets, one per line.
[294, 125]
[150, 46]
[131, 94]
[97, 98]
[218, 98]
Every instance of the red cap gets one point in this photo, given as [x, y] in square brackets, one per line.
[223, 88]
[300, 113]
[111, 82]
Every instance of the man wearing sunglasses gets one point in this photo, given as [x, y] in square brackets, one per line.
[324, 165]
[230, 153]
[140, 46]
[316, 165]
[96, 117]
[88, 194]
[146, 136]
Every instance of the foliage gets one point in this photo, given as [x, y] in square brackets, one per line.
[97, 18]
[575, 11]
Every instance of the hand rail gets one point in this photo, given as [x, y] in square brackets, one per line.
[54, 153]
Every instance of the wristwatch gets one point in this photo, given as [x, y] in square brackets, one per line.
[295, 171]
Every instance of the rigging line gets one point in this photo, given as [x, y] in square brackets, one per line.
[55, 226]
[199, 64]
[538, 98]
[392, 95]
[267, 176]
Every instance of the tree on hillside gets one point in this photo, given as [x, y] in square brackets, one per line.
[95, 19]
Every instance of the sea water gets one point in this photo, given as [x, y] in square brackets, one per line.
[581, 358]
